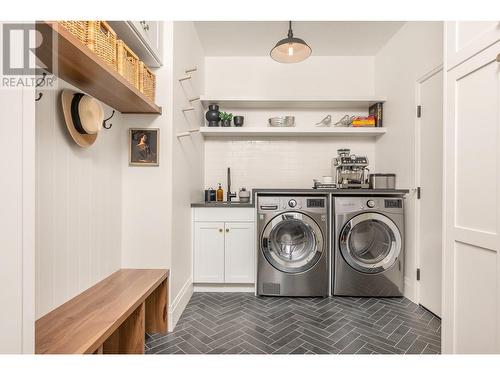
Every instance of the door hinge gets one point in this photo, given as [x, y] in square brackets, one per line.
[419, 111]
[418, 274]
[419, 192]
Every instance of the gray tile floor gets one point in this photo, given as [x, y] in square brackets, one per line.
[234, 323]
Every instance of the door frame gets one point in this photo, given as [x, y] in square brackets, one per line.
[417, 177]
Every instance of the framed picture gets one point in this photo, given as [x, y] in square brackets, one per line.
[144, 147]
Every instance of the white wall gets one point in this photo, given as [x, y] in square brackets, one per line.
[156, 218]
[276, 163]
[187, 160]
[284, 162]
[78, 236]
[146, 191]
[414, 50]
[249, 76]
[17, 218]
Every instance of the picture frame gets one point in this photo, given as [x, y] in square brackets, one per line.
[144, 147]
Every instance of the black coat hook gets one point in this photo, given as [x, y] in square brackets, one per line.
[40, 82]
[106, 126]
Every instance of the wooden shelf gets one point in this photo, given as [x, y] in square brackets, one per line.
[298, 103]
[290, 132]
[77, 64]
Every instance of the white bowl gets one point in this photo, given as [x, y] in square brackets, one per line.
[282, 121]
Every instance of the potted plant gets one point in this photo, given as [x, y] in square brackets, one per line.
[238, 120]
[225, 118]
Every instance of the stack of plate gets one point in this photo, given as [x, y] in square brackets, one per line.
[282, 121]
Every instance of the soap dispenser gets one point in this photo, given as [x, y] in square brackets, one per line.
[220, 193]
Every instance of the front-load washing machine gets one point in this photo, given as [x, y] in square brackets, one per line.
[293, 257]
[368, 246]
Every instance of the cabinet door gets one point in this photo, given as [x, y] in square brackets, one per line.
[465, 39]
[239, 252]
[471, 322]
[150, 33]
[209, 252]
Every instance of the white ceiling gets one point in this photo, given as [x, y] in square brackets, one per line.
[326, 38]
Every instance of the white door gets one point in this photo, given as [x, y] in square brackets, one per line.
[465, 39]
[208, 252]
[471, 310]
[430, 177]
[239, 253]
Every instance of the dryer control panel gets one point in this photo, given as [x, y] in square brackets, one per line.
[344, 205]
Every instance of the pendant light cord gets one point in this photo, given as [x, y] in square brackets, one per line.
[290, 32]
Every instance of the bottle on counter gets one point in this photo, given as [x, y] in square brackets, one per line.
[220, 193]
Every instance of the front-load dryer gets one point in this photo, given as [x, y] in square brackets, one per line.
[293, 257]
[368, 246]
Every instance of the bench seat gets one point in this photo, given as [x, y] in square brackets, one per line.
[110, 317]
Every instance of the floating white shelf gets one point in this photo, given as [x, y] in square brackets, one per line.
[290, 132]
[299, 103]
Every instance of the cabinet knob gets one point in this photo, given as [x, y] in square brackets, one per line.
[220, 230]
[227, 230]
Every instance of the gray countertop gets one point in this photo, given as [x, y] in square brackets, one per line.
[222, 204]
[366, 192]
[334, 191]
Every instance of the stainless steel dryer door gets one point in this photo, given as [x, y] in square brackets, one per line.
[370, 242]
[292, 242]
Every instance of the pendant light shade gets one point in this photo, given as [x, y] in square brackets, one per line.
[290, 49]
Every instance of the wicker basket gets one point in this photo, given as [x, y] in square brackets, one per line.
[127, 63]
[147, 81]
[78, 28]
[101, 39]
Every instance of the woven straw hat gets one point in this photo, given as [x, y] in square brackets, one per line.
[83, 115]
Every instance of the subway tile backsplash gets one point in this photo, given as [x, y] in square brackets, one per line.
[277, 162]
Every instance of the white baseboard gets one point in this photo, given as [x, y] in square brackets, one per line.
[179, 304]
[224, 288]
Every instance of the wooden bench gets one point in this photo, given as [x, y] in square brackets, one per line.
[110, 317]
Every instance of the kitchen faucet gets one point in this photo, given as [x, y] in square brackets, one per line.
[229, 194]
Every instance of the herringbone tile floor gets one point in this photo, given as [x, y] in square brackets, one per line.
[234, 323]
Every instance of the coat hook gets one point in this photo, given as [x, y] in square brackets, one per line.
[104, 125]
[40, 82]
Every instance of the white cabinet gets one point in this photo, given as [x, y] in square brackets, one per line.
[144, 38]
[471, 304]
[224, 250]
[150, 33]
[465, 39]
[209, 252]
[239, 253]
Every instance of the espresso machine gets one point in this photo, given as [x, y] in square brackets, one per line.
[350, 171]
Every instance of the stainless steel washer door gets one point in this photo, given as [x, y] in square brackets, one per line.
[370, 242]
[292, 242]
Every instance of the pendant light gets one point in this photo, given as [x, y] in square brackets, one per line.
[290, 49]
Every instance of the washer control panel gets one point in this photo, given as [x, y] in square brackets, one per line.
[293, 203]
